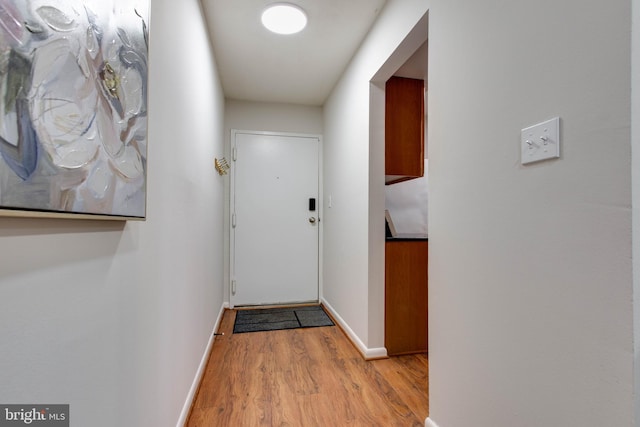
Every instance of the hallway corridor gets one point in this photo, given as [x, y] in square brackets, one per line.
[306, 377]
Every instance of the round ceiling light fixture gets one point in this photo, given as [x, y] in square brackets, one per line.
[284, 18]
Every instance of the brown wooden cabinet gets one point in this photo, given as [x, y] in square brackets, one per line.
[404, 129]
[406, 296]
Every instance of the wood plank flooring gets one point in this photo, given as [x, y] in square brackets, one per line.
[306, 377]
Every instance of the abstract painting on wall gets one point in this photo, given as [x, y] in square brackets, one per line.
[73, 107]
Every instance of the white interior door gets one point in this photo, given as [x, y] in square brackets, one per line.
[275, 228]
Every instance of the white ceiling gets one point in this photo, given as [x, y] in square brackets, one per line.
[416, 66]
[256, 65]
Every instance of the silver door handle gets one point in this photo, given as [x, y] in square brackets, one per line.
[312, 220]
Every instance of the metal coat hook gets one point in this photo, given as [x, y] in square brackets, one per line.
[222, 166]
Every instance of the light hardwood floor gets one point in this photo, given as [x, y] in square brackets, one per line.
[306, 377]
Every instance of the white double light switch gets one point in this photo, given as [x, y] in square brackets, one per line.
[541, 141]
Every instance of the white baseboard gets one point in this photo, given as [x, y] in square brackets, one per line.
[430, 423]
[200, 372]
[367, 353]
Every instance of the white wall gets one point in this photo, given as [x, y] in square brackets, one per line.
[354, 179]
[530, 287]
[635, 169]
[110, 317]
[407, 203]
[272, 117]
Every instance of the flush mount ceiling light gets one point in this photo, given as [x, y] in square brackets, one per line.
[284, 18]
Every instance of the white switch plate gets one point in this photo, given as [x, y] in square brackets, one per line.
[541, 141]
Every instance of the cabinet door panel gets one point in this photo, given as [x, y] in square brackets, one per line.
[404, 127]
[406, 297]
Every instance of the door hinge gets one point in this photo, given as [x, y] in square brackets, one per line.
[233, 287]
[234, 154]
[233, 220]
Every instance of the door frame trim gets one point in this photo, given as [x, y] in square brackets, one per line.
[319, 206]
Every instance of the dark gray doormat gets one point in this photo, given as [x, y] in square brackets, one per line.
[273, 319]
